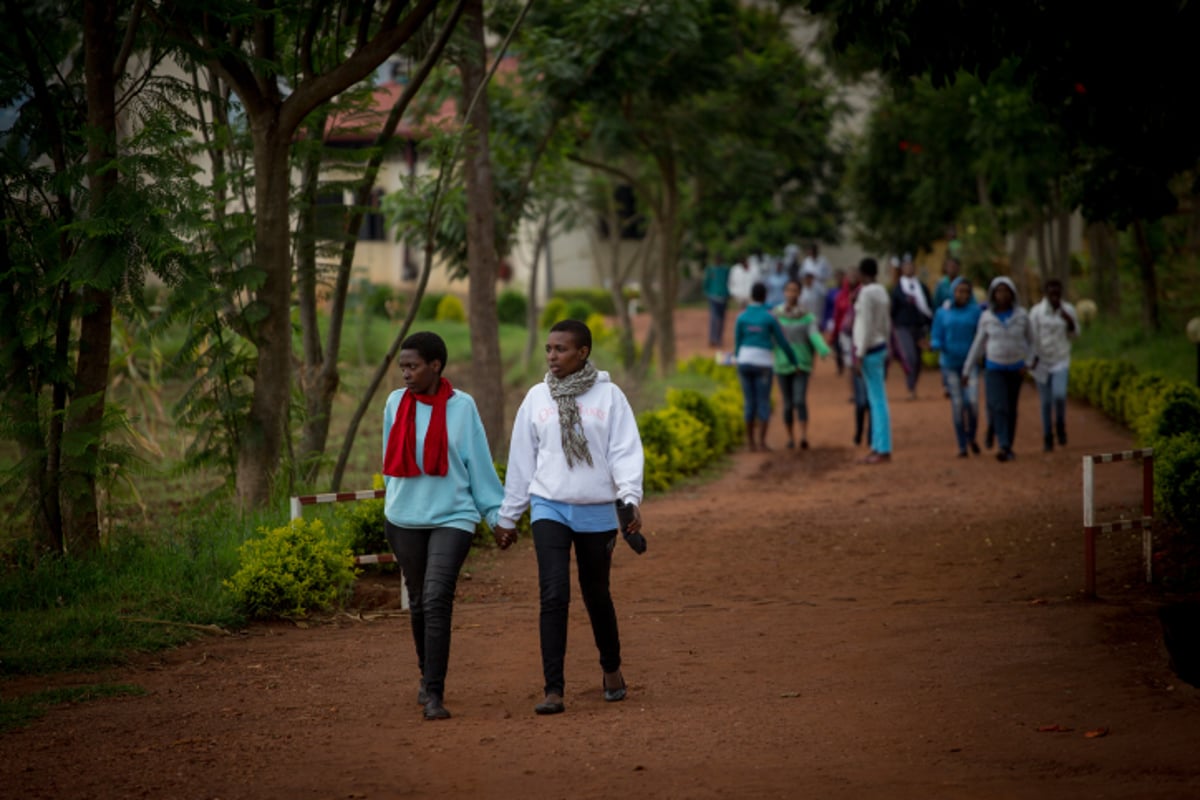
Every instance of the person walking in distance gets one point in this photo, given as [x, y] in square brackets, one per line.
[872, 327]
[575, 452]
[801, 330]
[1005, 341]
[1054, 325]
[756, 334]
[440, 481]
[954, 326]
[911, 315]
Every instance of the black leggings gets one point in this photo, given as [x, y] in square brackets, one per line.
[430, 559]
[593, 556]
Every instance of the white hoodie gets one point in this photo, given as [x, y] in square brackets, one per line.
[538, 466]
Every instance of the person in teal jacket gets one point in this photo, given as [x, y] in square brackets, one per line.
[801, 330]
[440, 482]
[954, 327]
[716, 289]
[756, 333]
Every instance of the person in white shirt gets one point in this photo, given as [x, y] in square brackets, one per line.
[1054, 324]
[742, 277]
[575, 453]
[872, 330]
[817, 264]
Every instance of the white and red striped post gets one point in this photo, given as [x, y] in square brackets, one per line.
[297, 507]
[1091, 529]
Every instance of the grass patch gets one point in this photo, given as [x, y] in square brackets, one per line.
[20, 711]
[89, 611]
[1168, 352]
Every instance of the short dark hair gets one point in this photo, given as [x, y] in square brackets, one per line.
[869, 267]
[430, 346]
[758, 292]
[581, 333]
[1053, 282]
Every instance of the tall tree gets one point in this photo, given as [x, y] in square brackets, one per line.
[85, 212]
[1127, 131]
[487, 371]
[245, 43]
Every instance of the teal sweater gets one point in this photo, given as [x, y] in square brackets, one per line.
[470, 489]
[802, 333]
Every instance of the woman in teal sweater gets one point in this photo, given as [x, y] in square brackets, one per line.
[756, 333]
[440, 481]
[802, 332]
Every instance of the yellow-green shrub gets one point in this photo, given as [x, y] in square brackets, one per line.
[292, 570]
[555, 310]
[450, 309]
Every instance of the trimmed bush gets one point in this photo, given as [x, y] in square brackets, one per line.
[1165, 415]
[429, 305]
[511, 307]
[555, 310]
[599, 300]
[450, 309]
[360, 524]
[578, 310]
[1177, 478]
[292, 570]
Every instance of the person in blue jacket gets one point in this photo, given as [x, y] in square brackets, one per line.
[440, 481]
[954, 326]
[756, 334]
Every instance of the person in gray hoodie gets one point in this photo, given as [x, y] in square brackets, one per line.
[1005, 341]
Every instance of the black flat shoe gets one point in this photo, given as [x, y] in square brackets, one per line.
[434, 709]
[614, 695]
[553, 704]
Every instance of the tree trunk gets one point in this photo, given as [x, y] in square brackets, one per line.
[318, 379]
[531, 307]
[1102, 243]
[262, 439]
[1149, 275]
[86, 413]
[487, 371]
[668, 267]
[1018, 256]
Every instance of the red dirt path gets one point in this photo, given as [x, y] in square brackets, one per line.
[802, 626]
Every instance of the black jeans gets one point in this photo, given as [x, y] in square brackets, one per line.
[430, 559]
[1003, 395]
[593, 556]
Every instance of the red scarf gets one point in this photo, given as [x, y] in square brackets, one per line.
[400, 459]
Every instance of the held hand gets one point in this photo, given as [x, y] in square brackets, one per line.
[635, 524]
[504, 536]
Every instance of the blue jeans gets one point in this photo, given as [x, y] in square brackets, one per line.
[430, 560]
[716, 321]
[552, 542]
[964, 404]
[756, 390]
[794, 389]
[881, 424]
[1053, 394]
[1003, 392]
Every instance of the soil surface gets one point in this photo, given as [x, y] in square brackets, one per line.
[802, 626]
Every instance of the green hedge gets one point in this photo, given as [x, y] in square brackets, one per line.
[1165, 415]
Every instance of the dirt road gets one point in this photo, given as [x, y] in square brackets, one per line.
[802, 626]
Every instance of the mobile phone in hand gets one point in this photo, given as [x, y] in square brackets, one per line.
[624, 516]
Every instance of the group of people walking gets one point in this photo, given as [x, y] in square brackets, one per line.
[575, 454]
[870, 326]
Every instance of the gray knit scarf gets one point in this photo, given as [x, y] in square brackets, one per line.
[564, 391]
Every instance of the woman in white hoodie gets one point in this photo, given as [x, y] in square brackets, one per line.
[1005, 340]
[575, 452]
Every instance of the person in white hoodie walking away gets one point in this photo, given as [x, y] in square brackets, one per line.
[1005, 340]
[1054, 326]
[575, 452]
